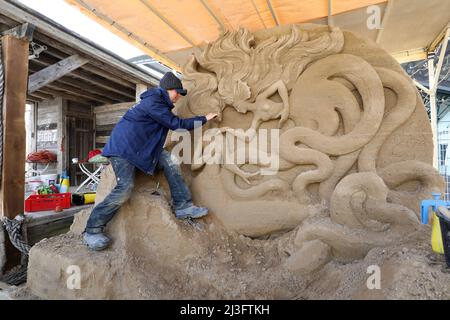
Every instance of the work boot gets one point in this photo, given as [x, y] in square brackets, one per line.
[192, 212]
[96, 241]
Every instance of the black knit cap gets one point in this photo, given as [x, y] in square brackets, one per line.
[170, 81]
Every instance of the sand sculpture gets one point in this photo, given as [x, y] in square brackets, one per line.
[355, 161]
[344, 110]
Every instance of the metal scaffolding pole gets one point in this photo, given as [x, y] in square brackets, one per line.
[433, 109]
[433, 79]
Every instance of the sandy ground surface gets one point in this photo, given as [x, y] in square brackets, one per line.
[21, 292]
[407, 271]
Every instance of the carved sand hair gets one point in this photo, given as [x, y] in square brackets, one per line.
[238, 68]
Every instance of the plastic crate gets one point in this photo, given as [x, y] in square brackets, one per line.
[47, 202]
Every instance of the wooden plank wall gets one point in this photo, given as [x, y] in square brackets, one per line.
[106, 117]
[80, 137]
[76, 109]
[49, 131]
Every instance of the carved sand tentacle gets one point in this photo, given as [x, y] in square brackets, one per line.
[404, 108]
[221, 155]
[359, 192]
[360, 218]
[296, 55]
[253, 192]
[228, 172]
[323, 112]
[350, 243]
[347, 244]
[341, 167]
[294, 154]
[369, 86]
[402, 172]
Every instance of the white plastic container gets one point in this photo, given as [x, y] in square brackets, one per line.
[49, 179]
[33, 183]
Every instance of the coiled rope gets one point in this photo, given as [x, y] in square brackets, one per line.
[2, 83]
[14, 227]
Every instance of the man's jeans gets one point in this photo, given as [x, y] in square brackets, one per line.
[125, 171]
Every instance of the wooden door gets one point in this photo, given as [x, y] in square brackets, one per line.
[80, 135]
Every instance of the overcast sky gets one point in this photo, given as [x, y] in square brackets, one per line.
[74, 20]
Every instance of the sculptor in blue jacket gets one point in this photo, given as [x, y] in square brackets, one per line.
[137, 141]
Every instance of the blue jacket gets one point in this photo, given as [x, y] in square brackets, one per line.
[140, 135]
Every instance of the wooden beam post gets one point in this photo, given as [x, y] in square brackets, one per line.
[15, 64]
[23, 31]
[54, 72]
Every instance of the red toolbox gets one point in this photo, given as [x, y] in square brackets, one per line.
[47, 202]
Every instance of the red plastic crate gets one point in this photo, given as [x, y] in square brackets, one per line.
[47, 202]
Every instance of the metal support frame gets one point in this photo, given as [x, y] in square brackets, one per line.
[330, 13]
[211, 12]
[168, 23]
[93, 178]
[410, 55]
[273, 13]
[434, 73]
[125, 33]
[433, 109]
[259, 14]
[35, 50]
[440, 61]
[421, 87]
[433, 46]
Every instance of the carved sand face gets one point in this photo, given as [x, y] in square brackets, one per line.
[268, 110]
[344, 151]
[241, 107]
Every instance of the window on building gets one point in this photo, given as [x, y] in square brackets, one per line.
[442, 154]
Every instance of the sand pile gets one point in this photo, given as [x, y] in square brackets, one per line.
[155, 256]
